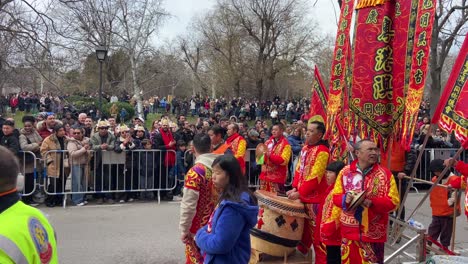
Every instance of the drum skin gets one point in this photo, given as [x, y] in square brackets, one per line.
[280, 225]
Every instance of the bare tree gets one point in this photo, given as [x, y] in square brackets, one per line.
[450, 25]
[191, 52]
[137, 22]
[278, 32]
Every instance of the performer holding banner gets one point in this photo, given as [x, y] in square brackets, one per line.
[452, 112]
[276, 159]
[309, 186]
[364, 221]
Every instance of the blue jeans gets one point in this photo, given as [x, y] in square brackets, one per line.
[77, 183]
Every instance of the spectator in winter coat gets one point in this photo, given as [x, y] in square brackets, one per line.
[46, 128]
[226, 237]
[295, 140]
[9, 139]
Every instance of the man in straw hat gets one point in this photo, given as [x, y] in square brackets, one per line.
[309, 186]
[102, 141]
[364, 226]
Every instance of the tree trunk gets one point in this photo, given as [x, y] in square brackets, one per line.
[237, 88]
[136, 89]
[259, 85]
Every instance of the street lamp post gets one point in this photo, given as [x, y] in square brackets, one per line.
[101, 55]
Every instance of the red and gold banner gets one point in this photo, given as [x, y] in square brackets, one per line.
[339, 69]
[452, 110]
[420, 59]
[382, 56]
[318, 101]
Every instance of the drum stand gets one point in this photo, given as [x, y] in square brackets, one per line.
[256, 257]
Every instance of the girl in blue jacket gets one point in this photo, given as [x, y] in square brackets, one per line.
[226, 237]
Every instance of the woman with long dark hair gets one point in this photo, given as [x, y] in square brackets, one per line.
[226, 239]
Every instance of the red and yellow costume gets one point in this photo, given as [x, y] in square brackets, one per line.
[275, 167]
[310, 183]
[364, 230]
[463, 169]
[199, 189]
[330, 232]
[238, 145]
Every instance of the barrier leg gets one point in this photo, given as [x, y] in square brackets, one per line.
[159, 197]
[64, 201]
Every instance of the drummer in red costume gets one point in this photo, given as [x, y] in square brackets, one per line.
[237, 144]
[277, 156]
[309, 186]
[364, 228]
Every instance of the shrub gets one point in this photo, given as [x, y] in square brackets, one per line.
[128, 107]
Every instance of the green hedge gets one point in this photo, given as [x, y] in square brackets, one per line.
[82, 103]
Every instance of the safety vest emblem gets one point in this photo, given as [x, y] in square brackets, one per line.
[41, 240]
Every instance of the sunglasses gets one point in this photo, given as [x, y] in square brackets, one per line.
[76, 133]
[103, 128]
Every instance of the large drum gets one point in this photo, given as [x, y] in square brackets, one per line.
[280, 225]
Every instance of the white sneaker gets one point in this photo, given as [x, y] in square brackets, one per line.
[122, 201]
[131, 200]
[85, 202]
[81, 204]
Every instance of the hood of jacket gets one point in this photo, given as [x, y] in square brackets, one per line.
[247, 208]
[206, 159]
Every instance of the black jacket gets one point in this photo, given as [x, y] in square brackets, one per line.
[11, 142]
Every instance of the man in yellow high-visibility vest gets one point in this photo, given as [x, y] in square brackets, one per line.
[26, 237]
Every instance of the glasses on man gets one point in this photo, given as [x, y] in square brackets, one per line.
[103, 128]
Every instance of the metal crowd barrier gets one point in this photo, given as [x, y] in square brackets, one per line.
[107, 173]
[423, 171]
[28, 168]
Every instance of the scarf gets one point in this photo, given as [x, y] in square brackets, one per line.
[233, 137]
[170, 158]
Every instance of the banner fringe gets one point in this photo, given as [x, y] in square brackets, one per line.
[369, 3]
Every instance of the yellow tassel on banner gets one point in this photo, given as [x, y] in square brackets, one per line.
[369, 3]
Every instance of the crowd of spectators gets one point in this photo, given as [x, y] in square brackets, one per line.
[81, 132]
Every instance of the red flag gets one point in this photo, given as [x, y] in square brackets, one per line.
[452, 110]
[318, 101]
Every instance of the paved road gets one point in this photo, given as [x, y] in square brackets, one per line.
[147, 233]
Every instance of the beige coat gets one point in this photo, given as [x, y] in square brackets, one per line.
[32, 145]
[77, 152]
[53, 161]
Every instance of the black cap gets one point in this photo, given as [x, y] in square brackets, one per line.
[335, 166]
[436, 165]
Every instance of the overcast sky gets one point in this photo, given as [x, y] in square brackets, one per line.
[182, 12]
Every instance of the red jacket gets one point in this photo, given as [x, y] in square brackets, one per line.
[275, 167]
[238, 146]
[463, 169]
[309, 174]
[380, 186]
[330, 232]
[43, 131]
[439, 197]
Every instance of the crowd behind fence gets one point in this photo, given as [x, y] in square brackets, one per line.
[143, 173]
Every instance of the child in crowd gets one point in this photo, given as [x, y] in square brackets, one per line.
[442, 204]
[330, 233]
[147, 170]
[180, 168]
